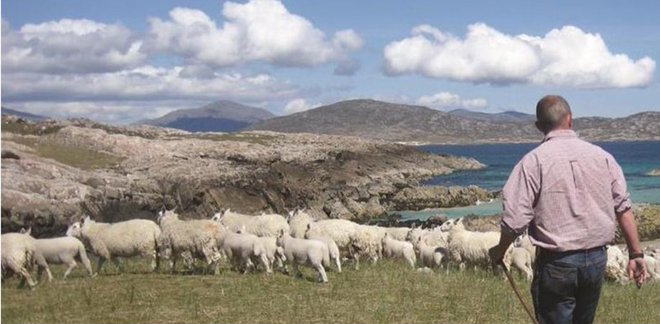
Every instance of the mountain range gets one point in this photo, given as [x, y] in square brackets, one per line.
[219, 116]
[407, 123]
[24, 115]
[397, 123]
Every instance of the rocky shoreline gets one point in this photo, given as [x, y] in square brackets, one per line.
[654, 173]
[55, 170]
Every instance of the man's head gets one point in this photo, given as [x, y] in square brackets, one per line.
[553, 112]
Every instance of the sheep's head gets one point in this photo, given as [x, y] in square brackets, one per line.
[448, 225]
[27, 231]
[216, 217]
[74, 230]
[279, 241]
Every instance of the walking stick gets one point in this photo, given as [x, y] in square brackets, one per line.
[515, 290]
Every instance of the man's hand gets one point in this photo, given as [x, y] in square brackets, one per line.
[637, 271]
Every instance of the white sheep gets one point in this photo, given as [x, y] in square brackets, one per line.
[366, 241]
[108, 241]
[396, 249]
[397, 233]
[18, 254]
[617, 262]
[190, 238]
[469, 247]
[301, 251]
[61, 250]
[519, 258]
[339, 230]
[430, 256]
[525, 242]
[298, 221]
[242, 247]
[432, 237]
[261, 225]
[333, 249]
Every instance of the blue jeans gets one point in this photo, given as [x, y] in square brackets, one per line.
[566, 285]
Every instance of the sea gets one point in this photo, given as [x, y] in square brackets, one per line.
[636, 160]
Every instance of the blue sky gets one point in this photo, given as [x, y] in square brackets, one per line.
[122, 61]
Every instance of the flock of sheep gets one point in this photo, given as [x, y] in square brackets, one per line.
[269, 242]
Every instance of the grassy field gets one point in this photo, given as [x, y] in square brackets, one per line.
[383, 293]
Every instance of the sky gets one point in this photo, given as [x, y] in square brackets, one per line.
[122, 61]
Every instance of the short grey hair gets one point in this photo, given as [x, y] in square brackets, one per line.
[551, 111]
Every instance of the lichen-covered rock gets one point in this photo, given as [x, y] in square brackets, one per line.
[137, 170]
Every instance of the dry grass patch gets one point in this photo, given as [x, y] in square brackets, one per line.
[383, 293]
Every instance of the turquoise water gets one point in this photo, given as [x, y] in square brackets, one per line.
[636, 159]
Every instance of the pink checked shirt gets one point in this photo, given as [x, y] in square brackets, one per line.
[567, 191]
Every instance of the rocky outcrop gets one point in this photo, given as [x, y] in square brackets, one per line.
[417, 198]
[654, 173]
[67, 169]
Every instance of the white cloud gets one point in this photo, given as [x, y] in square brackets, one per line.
[298, 105]
[447, 100]
[563, 57]
[70, 46]
[259, 30]
[143, 84]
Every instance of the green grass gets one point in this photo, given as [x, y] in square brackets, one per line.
[28, 128]
[78, 157]
[383, 293]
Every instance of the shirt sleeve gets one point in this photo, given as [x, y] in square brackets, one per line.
[520, 194]
[620, 194]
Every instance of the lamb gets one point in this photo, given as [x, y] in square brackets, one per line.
[298, 221]
[467, 246]
[398, 249]
[191, 238]
[524, 242]
[18, 254]
[333, 249]
[242, 247]
[262, 225]
[136, 237]
[432, 237]
[432, 257]
[397, 233]
[61, 250]
[301, 251]
[519, 258]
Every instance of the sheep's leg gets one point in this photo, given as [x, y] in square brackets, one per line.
[266, 263]
[72, 264]
[338, 263]
[323, 277]
[296, 271]
[155, 264]
[99, 264]
[117, 264]
[25, 276]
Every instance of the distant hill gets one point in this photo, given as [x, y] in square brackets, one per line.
[406, 123]
[220, 116]
[395, 122]
[24, 115]
[504, 117]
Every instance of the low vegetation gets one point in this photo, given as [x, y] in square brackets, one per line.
[77, 157]
[383, 293]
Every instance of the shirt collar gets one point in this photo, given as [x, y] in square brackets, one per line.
[560, 133]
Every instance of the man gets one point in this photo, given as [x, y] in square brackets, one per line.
[567, 193]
